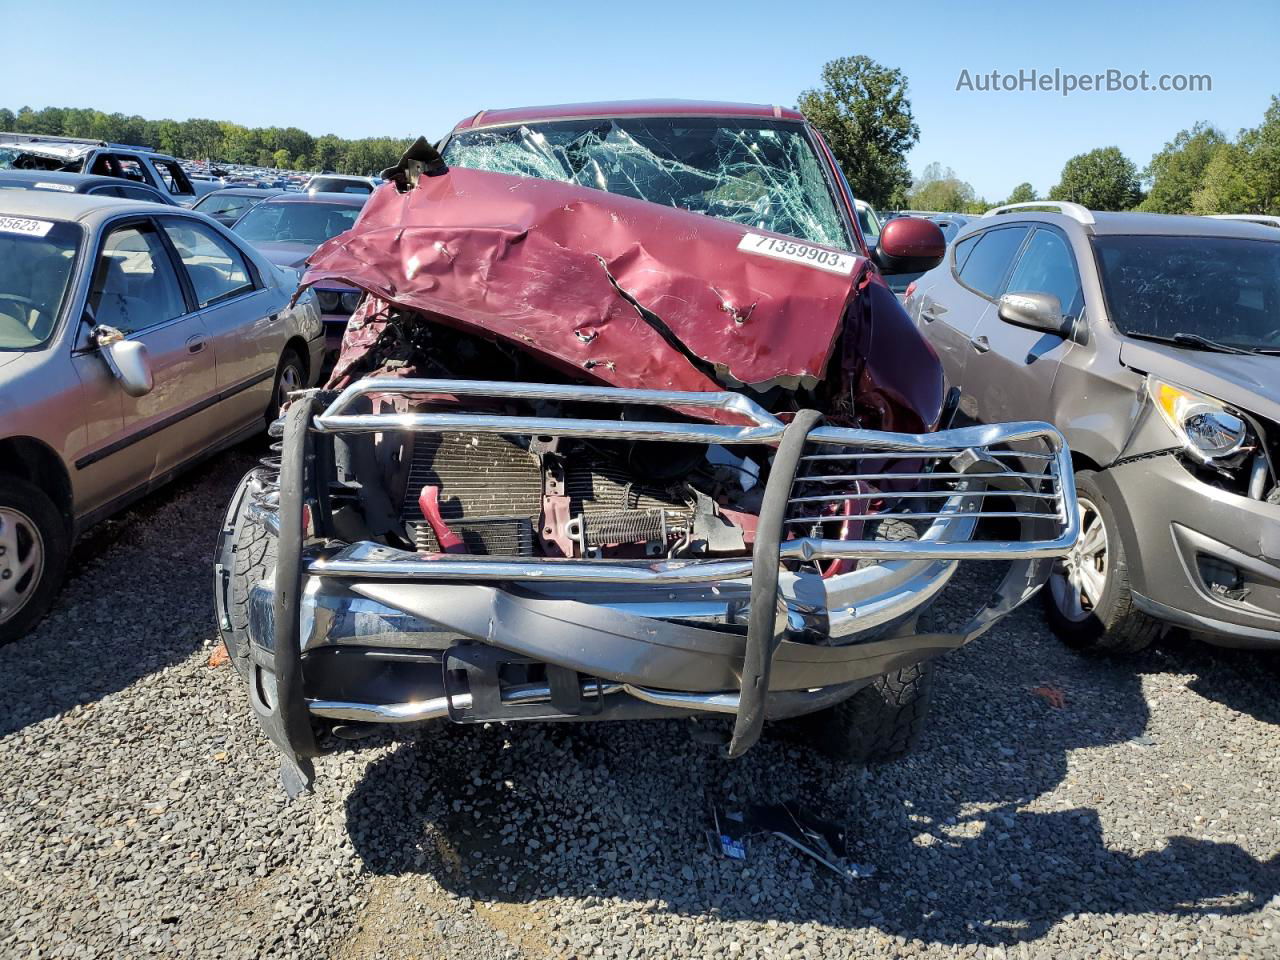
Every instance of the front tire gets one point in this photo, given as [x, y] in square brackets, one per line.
[1088, 601]
[291, 375]
[34, 546]
[884, 720]
[252, 558]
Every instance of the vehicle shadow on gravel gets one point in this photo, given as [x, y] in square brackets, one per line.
[1244, 680]
[137, 598]
[966, 847]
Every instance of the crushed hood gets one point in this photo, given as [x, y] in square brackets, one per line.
[633, 293]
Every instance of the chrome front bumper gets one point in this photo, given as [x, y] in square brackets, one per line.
[675, 634]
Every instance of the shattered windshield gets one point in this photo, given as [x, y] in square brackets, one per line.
[760, 174]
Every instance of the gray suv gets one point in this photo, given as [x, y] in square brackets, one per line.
[1151, 341]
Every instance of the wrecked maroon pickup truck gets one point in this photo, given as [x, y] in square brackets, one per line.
[628, 425]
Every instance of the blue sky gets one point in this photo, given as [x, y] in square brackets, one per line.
[372, 68]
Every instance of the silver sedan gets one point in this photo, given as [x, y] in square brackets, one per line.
[135, 340]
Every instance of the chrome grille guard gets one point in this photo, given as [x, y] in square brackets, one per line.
[974, 461]
[942, 479]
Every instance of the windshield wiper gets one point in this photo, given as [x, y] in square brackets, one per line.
[1192, 340]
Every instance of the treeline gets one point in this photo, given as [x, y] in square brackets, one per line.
[1199, 171]
[216, 141]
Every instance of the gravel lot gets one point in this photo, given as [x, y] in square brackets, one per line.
[140, 811]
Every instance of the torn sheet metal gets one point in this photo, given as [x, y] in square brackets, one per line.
[609, 288]
[816, 838]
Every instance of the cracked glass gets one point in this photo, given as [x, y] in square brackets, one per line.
[760, 174]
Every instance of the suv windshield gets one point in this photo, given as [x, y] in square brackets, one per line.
[757, 173]
[312, 223]
[1225, 289]
[36, 261]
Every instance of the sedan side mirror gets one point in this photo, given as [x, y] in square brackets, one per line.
[909, 245]
[127, 359]
[1035, 311]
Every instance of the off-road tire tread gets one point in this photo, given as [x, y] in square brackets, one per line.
[254, 558]
[881, 722]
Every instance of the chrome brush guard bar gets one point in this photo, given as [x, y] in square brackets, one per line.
[1047, 498]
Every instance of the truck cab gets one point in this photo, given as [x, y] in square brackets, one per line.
[20, 151]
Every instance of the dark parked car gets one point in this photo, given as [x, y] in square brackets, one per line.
[57, 182]
[1152, 342]
[288, 227]
[229, 205]
[628, 425]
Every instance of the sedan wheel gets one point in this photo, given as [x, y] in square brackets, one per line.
[1080, 578]
[291, 379]
[22, 554]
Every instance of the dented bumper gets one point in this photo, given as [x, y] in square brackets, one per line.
[366, 632]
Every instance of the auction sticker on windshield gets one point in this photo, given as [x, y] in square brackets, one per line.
[32, 228]
[833, 261]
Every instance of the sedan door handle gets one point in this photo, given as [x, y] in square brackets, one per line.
[931, 312]
[981, 344]
[195, 344]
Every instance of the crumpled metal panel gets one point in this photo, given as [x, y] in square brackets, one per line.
[624, 291]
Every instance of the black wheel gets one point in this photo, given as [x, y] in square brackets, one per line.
[1088, 601]
[881, 722]
[253, 558]
[34, 545]
[291, 375]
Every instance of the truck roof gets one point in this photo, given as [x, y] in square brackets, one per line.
[629, 108]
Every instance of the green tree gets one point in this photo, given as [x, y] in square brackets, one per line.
[7, 119]
[1244, 177]
[863, 111]
[938, 188]
[1177, 172]
[1102, 179]
[1023, 193]
[280, 159]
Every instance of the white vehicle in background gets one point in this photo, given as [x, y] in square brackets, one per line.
[340, 183]
[1265, 219]
[23, 151]
[869, 221]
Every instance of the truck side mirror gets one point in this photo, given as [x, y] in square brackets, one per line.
[909, 245]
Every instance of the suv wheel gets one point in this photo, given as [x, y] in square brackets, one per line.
[34, 544]
[1088, 602]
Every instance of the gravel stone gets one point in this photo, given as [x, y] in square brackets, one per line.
[141, 812]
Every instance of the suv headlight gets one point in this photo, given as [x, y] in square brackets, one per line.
[1210, 432]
